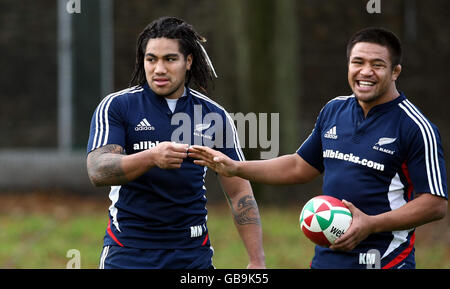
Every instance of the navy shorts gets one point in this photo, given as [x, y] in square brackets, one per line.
[116, 257]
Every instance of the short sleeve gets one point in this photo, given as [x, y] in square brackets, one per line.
[425, 160]
[229, 144]
[311, 149]
[107, 124]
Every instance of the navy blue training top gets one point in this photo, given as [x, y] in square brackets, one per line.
[375, 162]
[162, 209]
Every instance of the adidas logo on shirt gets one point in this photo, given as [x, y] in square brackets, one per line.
[144, 125]
[331, 133]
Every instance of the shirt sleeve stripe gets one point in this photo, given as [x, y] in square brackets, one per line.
[237, 145]
[430, 144]
[434, 151]
[101, 117]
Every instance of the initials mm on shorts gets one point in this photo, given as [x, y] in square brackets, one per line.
[197, 231]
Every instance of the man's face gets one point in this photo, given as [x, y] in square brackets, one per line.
[370, 73]
[165, 67]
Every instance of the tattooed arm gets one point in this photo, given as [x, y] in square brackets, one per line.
[104, 165]
[109, 166]
[246, 217]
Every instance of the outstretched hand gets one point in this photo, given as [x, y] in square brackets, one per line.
[213, 159]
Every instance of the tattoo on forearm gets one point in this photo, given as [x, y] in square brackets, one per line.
[104, 166]
[246, 211]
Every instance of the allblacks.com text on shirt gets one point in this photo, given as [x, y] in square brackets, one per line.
[332, 154]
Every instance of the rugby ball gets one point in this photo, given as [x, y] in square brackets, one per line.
[324, 219]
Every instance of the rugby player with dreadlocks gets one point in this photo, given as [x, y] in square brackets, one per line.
[158, 215]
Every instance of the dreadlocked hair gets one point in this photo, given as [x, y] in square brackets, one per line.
[201, 71]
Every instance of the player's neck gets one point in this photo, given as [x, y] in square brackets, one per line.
[177, 93]
[390, 95]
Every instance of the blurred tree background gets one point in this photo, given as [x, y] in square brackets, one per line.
[283, 56]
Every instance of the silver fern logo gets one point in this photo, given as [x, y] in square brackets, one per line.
[202, 126]
[384, 141]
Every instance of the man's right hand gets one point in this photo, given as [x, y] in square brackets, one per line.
[169, 155]
[213, 159]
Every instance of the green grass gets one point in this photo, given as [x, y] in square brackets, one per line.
[41, 240]
[284, 244]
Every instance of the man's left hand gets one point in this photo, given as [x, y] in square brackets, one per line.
[359, 229]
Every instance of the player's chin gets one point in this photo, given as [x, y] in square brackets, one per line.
[162, 91]
[366, 97]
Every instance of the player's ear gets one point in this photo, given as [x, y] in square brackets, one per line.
[189, 60]
[396, 72]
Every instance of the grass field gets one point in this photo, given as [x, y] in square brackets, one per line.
[37, 230]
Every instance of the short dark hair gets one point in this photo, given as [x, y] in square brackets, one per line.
[379, 36]
[189, 41]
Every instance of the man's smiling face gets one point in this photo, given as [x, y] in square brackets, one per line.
[370, 73]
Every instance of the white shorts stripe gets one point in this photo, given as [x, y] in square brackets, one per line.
[103, 257]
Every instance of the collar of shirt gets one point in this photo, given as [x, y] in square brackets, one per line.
[161, 102]
[380, 108]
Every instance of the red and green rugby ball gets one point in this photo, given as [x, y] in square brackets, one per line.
[324, 219]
